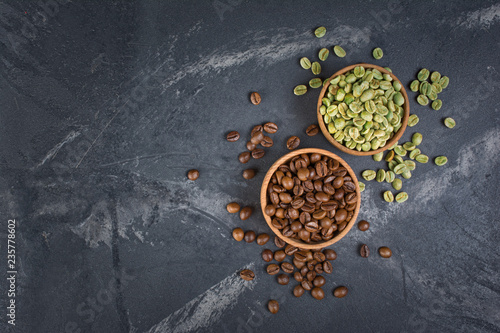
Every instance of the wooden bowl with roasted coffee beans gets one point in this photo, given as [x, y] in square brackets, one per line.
[310, 198]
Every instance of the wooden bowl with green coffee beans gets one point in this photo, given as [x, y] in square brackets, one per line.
[363, 109]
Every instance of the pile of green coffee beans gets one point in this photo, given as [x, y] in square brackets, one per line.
[429, 90]
[363, 108]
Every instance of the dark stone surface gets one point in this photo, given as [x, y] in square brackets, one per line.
[106, 105]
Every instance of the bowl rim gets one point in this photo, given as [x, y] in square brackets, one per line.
[263, 198]
[389, 143]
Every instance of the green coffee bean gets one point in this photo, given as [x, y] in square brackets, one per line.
[400, 150]
[316, 68]
[320, 32]
[406, 174]
[378, 53]
[398, 159]
[436, 105]
[300, 90]
[401, 197]
[441, 160]
[315, 83]
[435, 77]
[444, 82]
[423, 74]
[389, 156]
[414, 153]
[421, 158]
[400, 168]
[396, 85]
[422, 100]
[398, 99]
[437, 87]
[323, 54]
[409, 146]
[378, 157]
[410, 165]
[392, 164]
[388, 69]
[389, 176]
[416, 139]
[359, 71]
[305, 63]
[425, 88]
[339, 51]
[388, 196]
[369, 175]
[414, 85]
[361, 186]
[380, 175]
[413, 120]
[449, 122]
[397, 184]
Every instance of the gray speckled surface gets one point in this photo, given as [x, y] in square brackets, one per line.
[106, 105]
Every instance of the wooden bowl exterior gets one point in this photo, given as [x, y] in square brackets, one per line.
[263, 198]
[389, 143]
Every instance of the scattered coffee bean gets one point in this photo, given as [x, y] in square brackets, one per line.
[248, 173]
[320, 32]
[330, 254]
[319, 281]
[287, 267]
[267, 255]
[233, 136]
[385, 252]
[238, 234]
[293, 142]
[244, 157]
[273, 306]
[364, 251]
[327, 267]
[255, 129]
[255, 98]
[312, 130]
[298, 291]
[363, 225]
[233, 207]
[247, 275]
[298, 277]
[257, 137]
[279, 242]
[272, 269]
[318, 293]
[340, 292]
[307, 285]
[270, 127]
[262, 239]
[245, 213]
[251, 146]
[258, 153]
[193, 174]
[279, 255]
[267, 142]
[283, 279]
[249, 236]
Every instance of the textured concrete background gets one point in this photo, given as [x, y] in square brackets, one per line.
[106, 105]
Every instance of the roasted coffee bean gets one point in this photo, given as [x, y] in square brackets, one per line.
[330, 254]
[319, 257]
[238, 234]
[340, 215]
[304, 270]
[385, 252]
[262, 239]
[270, 210]
[340, 292]
[273, 306]
[267, 142]
[251, 146]
[329, 189]
[257, 137]
[342, 226]
[270, 127]
[311, 275]
[249, 236]
[283, 279]
[279, 255]
[267, 255]
[298, 291]
[245, 213]
[280, 213]
[310, 264]
[327, 267]
[272, 269]
[304, 235]
[233, 207]
[293, 142]
[279, 242]
[255, 98]
[298, 264]
[318, 293]
[233, 136]
[351, 198]
[249, 173]
[287, 267]
[363, 225]
[290, 250]
[349, 186]
[300, 256]
[338, 182]
[307, 285]
[247, 275]
[319, 281]
[318, 185]
[312, 130]
[298, 277]
[258, 153]
[333, 165]
[244, 157]
[287, 183]
[321, 168]
[364, 251]
[318, 268]
[296, 226]
[193, 174]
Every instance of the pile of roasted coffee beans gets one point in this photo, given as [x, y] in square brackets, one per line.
[311, 198]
